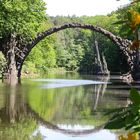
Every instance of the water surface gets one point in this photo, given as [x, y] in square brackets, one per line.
[66, 107]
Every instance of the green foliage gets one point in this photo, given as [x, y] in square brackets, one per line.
[71, 49]
[43, 56]
[112, 53]
[21, 130]
[127, 117]
[67, 108]
[69, 53]
[29, 68]
[135, 96]
[75, 47]
[124, 18]
[21, 17]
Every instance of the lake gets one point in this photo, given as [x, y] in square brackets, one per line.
[65, 107]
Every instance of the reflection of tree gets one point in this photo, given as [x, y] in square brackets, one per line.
[73, 105]
[58, 106]
[58, 129]
[100, 90]
[15, 107]
[15, 121]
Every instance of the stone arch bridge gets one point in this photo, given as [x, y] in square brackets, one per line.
[16, 54]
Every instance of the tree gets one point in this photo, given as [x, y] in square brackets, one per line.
[130, 25]
[112, 52]
[19, 23]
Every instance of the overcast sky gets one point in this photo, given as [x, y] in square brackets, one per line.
[82, 7]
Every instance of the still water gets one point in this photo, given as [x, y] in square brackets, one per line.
[64, 107]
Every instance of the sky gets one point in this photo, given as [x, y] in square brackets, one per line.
[82, 7]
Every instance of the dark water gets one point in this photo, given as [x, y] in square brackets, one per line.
[66, 107]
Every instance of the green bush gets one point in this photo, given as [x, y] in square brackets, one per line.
[128, 117]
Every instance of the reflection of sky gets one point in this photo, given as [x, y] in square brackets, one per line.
[49, 134]
[75, 127]
[58, 83]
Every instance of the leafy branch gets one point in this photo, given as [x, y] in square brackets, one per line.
[127, 118]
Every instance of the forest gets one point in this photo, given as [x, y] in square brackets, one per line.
[66, 50]
[74, 49]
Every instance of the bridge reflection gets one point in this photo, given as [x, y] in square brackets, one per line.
[20, 103]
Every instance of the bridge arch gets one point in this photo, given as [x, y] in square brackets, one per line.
[22, 51]
[56, 128]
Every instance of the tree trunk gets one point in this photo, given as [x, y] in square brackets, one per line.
[105, 68]
[10, 71]
[98, 59]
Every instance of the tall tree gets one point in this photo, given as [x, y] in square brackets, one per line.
[19, 21]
